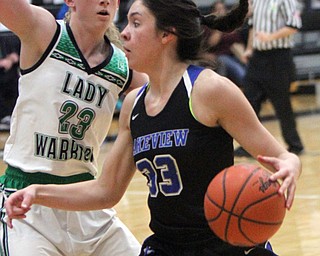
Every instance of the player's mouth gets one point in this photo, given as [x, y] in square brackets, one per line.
[126, 50]
[103, 13]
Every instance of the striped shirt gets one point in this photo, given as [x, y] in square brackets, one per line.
[272, 15]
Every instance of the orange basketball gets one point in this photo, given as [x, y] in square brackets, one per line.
[242, 206]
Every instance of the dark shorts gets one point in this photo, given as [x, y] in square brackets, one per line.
[152, 246]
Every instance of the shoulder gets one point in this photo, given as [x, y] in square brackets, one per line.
[129, 102]
[213, 96]
[133, 94]
[138, 80]
[212, 84]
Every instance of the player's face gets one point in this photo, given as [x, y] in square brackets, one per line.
[141, 39]
[94, 10]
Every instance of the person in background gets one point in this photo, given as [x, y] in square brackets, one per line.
[228, 49]
[178, 131]
[72, 73]
[271, 69]
[122, 13]
[62, 11]
[9, 75]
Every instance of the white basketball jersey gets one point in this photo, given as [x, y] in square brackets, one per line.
[64, 109]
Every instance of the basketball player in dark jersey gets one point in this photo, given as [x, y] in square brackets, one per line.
[72, 74]
[177, 131]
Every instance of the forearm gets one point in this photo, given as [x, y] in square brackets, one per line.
[283, 32]
[88, 195]
[104, 192]
[238, 50]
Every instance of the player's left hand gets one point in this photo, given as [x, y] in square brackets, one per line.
[288, 170]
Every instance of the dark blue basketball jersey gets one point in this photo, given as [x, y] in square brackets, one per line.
[179, 156]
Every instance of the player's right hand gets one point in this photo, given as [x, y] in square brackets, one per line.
[18, 204]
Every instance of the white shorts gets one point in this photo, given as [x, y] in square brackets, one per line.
[52, 232]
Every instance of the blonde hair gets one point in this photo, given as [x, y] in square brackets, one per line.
[112, 32]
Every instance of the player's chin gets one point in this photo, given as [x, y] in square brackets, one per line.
[133, 64]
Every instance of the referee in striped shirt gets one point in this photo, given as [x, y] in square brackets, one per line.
[270, 67]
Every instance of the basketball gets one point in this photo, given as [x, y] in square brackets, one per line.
[242, 206]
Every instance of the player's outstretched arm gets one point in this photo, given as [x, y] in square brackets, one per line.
[34, 25]
[234, 113]
[28, 22]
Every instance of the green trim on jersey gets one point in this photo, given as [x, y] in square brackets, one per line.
[191, 110]
[66, 45]
[116, 71]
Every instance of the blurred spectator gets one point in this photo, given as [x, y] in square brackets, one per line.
[62, 11]
[9, 75]
[37, 2]
[122, 13]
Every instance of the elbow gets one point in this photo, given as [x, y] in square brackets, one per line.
[109, 200]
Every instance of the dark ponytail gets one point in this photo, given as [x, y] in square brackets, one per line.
[184, 19]
[229, 22]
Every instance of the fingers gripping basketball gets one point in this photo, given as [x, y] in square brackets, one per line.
[242, 206]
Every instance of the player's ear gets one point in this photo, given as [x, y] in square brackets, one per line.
[70, 3]
[167, 37]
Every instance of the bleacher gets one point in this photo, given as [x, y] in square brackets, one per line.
[307, 52]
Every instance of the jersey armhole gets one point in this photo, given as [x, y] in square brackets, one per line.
[193, 72]
[46, 53]
[127, 85]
